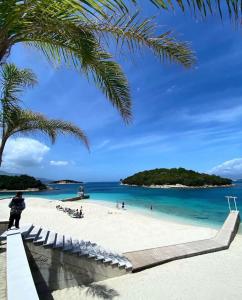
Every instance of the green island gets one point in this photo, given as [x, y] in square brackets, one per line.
[65, 181]
[21, 183]
[175, 177]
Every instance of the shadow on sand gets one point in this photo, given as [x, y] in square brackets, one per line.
[101, 291]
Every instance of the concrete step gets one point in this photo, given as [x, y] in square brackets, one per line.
[128, 266]
[26, 229]
[50, 240]
[62, 242]
[59, 242]
[32, 234]
[115, 261]
[84, 249]
[75, 246]
[67, 243]
[99, 257]
[42, 237]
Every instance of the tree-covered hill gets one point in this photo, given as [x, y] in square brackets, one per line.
[65, 181]
[175, 176]
[22, 182]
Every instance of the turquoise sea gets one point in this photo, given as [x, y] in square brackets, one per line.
[198, 206]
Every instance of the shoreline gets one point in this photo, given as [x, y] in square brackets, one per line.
[28, 190]
[178, 186]
[24, 191]
[145, 211]
[158, 214]
[65, 183]
[131, 209]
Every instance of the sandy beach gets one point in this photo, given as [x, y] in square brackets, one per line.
[213, 276]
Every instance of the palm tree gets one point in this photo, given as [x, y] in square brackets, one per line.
[15, 120]
[77, 33]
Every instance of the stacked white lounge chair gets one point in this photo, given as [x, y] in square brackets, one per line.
[74, 213]
[46, 238]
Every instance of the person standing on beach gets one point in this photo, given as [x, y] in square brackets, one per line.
[122, 205]
[17, 205]
[81, 212]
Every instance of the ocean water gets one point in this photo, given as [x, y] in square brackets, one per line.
[207, 207]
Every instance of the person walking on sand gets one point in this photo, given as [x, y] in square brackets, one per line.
[122, 205]
[17, 205]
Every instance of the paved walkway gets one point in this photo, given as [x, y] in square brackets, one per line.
[148, 258]
[3, 287]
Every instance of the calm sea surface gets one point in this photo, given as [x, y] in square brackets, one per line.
[199, 206]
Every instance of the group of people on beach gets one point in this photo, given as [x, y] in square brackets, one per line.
[74, 213]
[17, 205]
[122, 205]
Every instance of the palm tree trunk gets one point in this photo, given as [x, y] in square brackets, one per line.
[4, 140]
[4, 52]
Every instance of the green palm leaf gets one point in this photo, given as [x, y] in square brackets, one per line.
[74, 32]
[136, 33]
[13, 81]
[15, 120]
[25, 121]
[202, 7]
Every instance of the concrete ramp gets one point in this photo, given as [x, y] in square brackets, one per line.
[148, 258]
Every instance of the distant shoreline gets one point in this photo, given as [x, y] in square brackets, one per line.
[28, 190]
[65, 182]
[178, 186]
[25, 191]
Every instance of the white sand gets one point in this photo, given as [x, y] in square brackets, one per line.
[216, 276]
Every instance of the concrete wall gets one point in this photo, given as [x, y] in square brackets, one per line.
[20, 284]
[54, 269]
[3, 226]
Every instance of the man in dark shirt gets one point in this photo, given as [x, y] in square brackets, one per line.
[17, 205]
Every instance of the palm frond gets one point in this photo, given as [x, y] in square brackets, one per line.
[77, 43]
[232, 8]
[12, 81]
[73, 32]
[111, 80]
[24, 121]
[138, 33]
[203, 7]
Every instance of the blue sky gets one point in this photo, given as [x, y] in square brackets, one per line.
[181, 118]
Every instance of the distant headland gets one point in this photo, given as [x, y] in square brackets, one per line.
[175, 178]
[23, 183]
[65, 181]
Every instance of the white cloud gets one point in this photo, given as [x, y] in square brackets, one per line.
[23, 152]
[59, 162]
[136, 142]
[231, 168]
[221, 116]
[102, 144]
